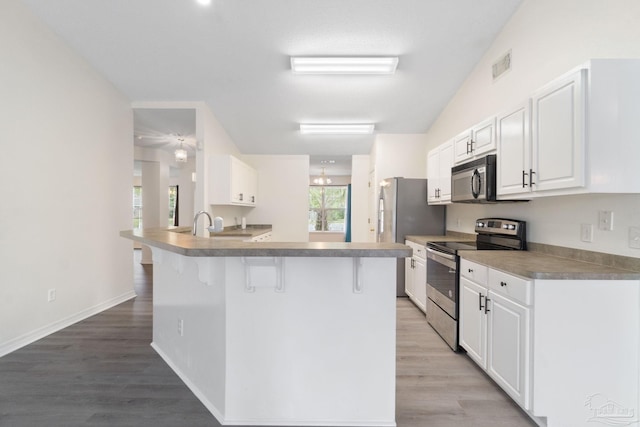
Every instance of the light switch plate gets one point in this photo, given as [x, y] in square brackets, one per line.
[586, 232]
[605, 220]
[634, 237]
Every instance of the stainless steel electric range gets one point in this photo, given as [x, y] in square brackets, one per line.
[443, 276]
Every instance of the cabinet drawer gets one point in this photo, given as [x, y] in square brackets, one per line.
[513, 287]
[419, 251]
[473, 271]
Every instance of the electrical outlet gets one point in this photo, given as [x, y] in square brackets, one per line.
[586, 232]
[605, 220]
[51, 295]
[634, 237]
[180, 327]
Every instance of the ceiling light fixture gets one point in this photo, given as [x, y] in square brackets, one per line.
[344, 65]
[337, 128]
[181, 153]
[322, 179]
[204, 2]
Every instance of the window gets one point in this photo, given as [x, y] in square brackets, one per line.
[173, 205]
[137, 207]
[327, 208]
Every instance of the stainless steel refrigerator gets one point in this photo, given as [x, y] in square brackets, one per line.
[402, 211]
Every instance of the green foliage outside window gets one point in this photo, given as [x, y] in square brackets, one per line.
[327, 208]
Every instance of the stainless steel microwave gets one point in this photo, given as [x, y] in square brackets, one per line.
[474, 181]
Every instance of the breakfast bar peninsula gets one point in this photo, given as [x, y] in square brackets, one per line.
[274, 333]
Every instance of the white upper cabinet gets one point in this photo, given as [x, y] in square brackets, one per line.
[577, 134]
[439, 163]
[514, 148]
[232, 182]
[557, 131]
[480, 139]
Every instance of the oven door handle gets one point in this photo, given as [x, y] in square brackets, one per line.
[441, 254]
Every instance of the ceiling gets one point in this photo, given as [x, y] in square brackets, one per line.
[234, 55]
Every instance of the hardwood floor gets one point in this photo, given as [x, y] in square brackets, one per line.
[102, 372]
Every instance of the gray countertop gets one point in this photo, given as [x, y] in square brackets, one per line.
[536, 265]
[188, 245]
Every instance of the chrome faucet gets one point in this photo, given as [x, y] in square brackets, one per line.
[195, 220]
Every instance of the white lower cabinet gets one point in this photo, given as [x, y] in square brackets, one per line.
[495, 327]
[565, 350]
[508, 343]
[415, 279]
[472, 322]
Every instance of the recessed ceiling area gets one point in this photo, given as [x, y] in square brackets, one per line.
[235, 56]
[333, 165]
[165, 129]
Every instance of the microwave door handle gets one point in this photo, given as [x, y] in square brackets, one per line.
[476, 184]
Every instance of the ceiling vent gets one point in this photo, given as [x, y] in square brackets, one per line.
[501, 66]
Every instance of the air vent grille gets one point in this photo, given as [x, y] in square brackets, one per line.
[501, 66]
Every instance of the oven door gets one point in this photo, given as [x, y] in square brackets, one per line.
[442, 281]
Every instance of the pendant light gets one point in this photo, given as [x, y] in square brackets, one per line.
[322, 179]
[181, 153]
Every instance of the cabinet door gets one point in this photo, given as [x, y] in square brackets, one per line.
[558, 121]
[445, 164]
[408, 276]
[508, 342]
[462, 147]
[473, 321]
[514, 150]
[483, 137]
[236, 177]
[251, 181]
[420, 283]
[433, 174]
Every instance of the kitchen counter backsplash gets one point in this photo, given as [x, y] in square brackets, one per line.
[609, 260]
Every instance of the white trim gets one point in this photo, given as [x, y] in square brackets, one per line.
[194, 389]
[30, 337]
[248, 422]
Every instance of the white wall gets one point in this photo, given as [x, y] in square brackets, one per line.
[283, 195]
[547, 38]
[399, 155]
[360, 199]
[66, 170]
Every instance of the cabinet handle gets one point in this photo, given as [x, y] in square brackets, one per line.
[241, 197]
[486, 305]
[503, 283]
[524, 184]
[480, 296]
[471, 270]
[253, 199]
[471, 145]
[531, 172]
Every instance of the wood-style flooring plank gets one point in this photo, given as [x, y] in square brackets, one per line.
[103, 372]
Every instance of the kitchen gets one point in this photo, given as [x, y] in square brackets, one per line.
[572, 32]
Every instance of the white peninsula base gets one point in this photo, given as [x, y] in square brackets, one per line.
[280, 340]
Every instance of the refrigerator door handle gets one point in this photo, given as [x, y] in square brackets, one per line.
[381, 216]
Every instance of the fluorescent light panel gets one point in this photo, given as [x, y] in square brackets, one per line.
[344, 65]
[337, 128]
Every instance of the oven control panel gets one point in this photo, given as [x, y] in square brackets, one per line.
[499, 226]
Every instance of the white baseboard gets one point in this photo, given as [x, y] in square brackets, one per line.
[30, 337]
